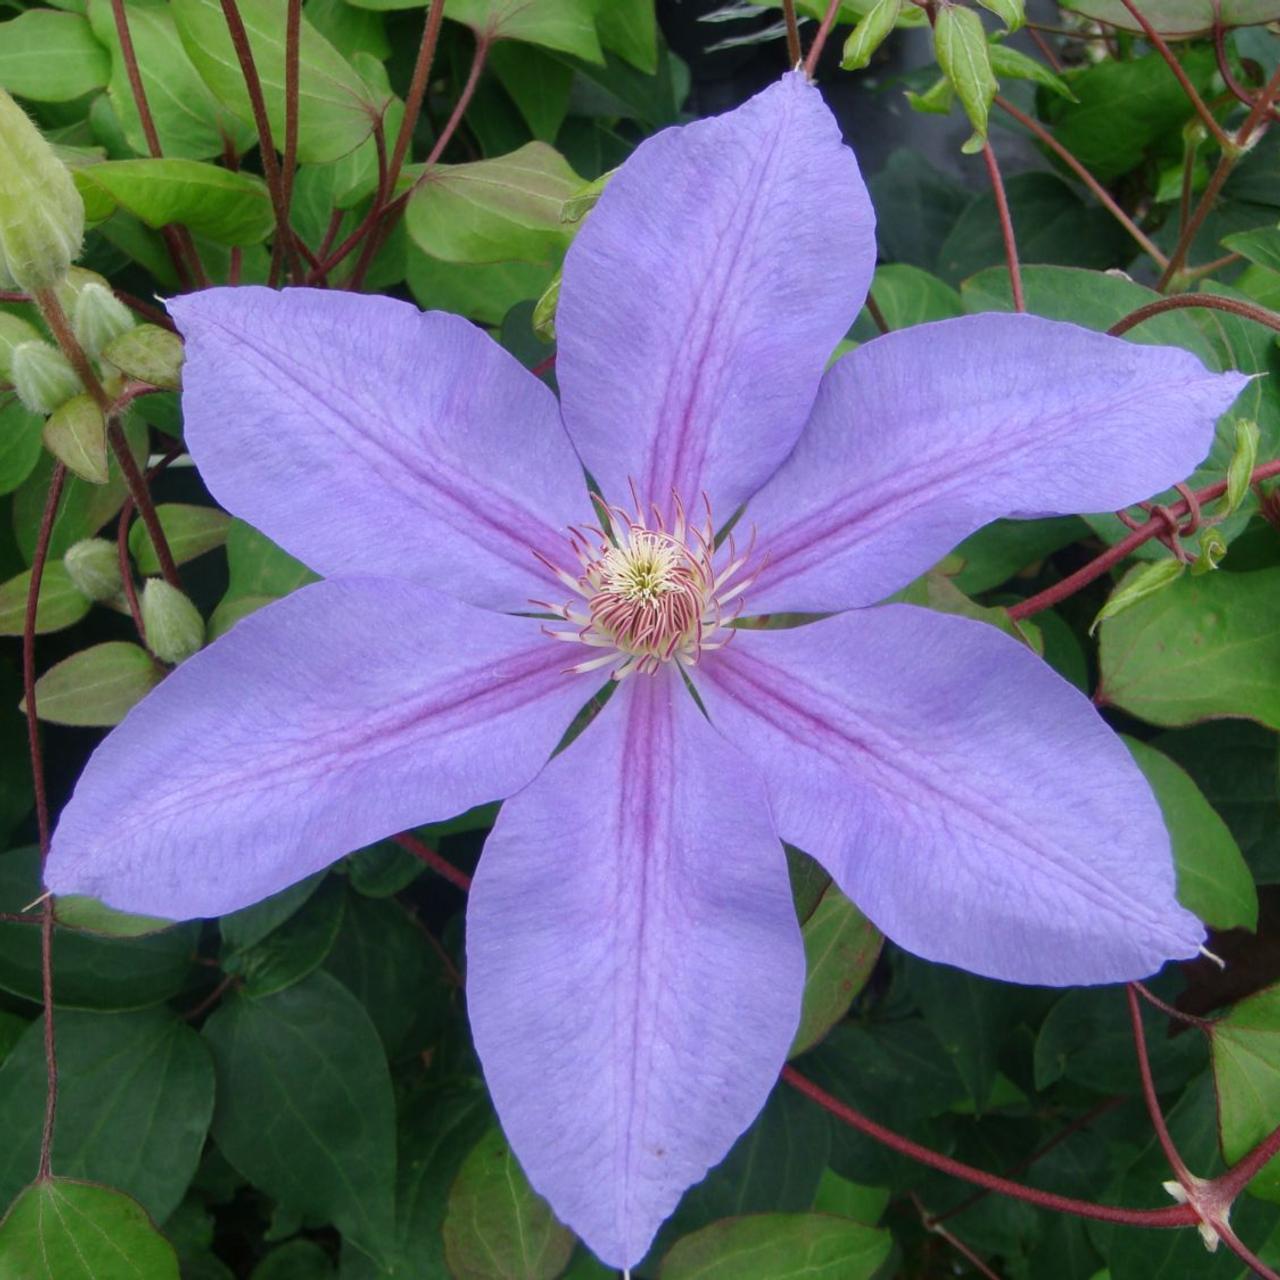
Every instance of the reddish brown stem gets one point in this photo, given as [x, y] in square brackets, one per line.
[1178, 1215]
[292, 41]
[41, 555]
[417, 92]
[1149, 1095]
[1112, 556]
[873, 309]
[1226, 162]
[1212, 301]
[141, 496]
[266, 141]
[56, 318]
[820, 40]
[182, 249]
[1047, 49]
[441, 866]
[1170, 1011]
[1006, 227]
[932, 1224]
[1101, 194]
[1157, 42]
[794, 52]
[1234, 1181]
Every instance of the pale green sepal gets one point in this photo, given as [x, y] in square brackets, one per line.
[960, 45]
[1213, 547]
[76, 433]
[936, 100]
[99, 316]
[41, 213]
[14, 330]
[1010, 12]
[1013, 65]
[1139, 585]
[870, 34]
[173, 625]
[150, 354]
[544, 311]
[43, 376]
[577, 207]
[93, 565]
[1243, 461]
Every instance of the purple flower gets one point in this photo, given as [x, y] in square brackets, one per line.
[634, 966]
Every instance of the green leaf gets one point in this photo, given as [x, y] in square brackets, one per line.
[61, 604]
[999, 550]
[630, 29]
[1246, 1070]
[1127, 111]
[495, 210]
[295, 949]
[1206, 646]
[906, 295]
[51, 57]
[780, 1246]
[566, 25]
[1011, 64]
[538, 84]
[135, 1097]
[1010, 12]
[64, 1230]
[305, 1110]
[190, 532]
[960, 45]
[98, 685]
[1214, 880]
[84, 508]
[483, 291]
[77, 911]
[247, 927]
[870, 34]
[496, 1225]
[1261, 246]
[385, 959]
[1180, 17]
[231, 208]
[336, 109]
[297, 1260]
[1141, 583]
[76, 433]
[1088, 1039]
[91, 972]
[257, 567]
[20, 442]
[190, 122]
[152, 355]
[841, 947]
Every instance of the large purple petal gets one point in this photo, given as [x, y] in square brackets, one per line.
[634, 966]
[924, 435]
[345, 712]
[970, 801]
[703, 295]
[368, 437]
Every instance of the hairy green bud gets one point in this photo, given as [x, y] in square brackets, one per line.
[174, 627]
[41, 212]
[43, 376]
[13, 331]
[93, 565]
[99, 316]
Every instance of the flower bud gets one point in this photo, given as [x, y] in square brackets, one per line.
[13, 330]
[93, 565]
[150, 354]
[41, 212]
[99, 316]
[174, 627]
[43, 376]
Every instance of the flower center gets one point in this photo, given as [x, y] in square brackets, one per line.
[647, 594]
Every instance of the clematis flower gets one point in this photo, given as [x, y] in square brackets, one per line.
[634, 965]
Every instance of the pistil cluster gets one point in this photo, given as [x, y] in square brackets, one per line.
[647, 593]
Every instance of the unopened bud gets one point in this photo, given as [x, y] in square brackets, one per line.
[99, 316]
[42, 376]
[174, 627]
[150, 354]
[41, 212]
[13, 330]
[1213, 547]
[93, 565]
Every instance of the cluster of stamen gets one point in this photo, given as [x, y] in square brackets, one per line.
[648, 593]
